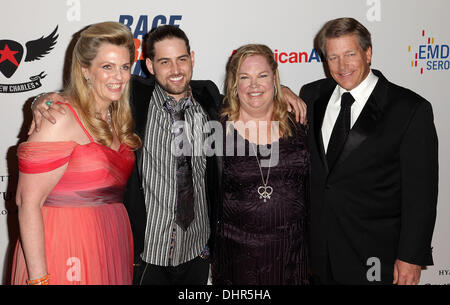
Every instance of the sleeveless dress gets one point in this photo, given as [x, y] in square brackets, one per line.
[263, 243]
[88, 238]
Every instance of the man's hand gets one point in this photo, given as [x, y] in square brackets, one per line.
[295, 103]
[41, 110]
[406, 273]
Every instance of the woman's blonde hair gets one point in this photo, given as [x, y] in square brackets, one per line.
[79, 92]
[231, 100]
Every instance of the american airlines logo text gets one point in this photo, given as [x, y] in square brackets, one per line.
[296, 57]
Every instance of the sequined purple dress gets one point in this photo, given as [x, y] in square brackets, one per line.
[264, 243]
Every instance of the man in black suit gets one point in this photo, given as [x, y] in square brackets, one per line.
[374, 167]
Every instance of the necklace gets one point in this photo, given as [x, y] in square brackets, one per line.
[264, 190]
[108, 120]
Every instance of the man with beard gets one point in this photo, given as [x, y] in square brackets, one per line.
[178, 190]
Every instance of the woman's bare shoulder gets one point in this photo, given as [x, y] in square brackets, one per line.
[64, 129]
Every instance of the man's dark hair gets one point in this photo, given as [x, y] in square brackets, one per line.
[341, 27]
[164, 32]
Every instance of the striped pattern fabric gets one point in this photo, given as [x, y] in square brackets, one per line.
[160, 189]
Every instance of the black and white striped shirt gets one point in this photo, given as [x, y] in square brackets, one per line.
[160, 189]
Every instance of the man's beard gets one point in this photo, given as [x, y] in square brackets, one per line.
[175, 90]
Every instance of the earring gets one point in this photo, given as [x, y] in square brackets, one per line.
[87, 81]
[275, 90]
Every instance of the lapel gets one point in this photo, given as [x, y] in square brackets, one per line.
[319, 112]
[367, 120]
[141, 93]
[140, 101]
[206, 101]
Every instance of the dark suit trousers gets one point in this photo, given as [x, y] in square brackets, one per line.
[327, 278]
[194, 272]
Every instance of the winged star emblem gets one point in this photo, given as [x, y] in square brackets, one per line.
[11, 52]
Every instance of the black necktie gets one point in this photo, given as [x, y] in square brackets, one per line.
[185, 187]
[340, 130]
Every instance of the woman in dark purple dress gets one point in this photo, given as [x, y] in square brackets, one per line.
[262, 230]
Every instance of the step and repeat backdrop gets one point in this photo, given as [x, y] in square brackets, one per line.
[410, 46]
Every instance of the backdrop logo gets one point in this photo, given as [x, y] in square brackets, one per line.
[11, 54]
[444, 272]
[431, 55]
[296, 57]
[140, 26]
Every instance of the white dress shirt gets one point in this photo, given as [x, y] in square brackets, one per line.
[361, 94]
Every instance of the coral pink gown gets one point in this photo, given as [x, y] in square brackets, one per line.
[88, 238]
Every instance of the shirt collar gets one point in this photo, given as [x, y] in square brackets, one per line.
[362, 92]
[162, 96]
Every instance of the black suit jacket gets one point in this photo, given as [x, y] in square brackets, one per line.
[379, 201]
[208, 96]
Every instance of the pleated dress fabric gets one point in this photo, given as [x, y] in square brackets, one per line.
[88, 238]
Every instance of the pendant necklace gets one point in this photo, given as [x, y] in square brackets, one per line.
[264, 191]
[108, 120]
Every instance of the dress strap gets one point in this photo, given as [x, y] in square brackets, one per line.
[78, 120]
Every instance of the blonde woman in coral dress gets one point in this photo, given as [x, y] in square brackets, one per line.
[74, 228]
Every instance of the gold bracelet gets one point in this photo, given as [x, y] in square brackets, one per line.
[40, 281]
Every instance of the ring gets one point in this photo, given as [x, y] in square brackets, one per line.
[48, 103]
